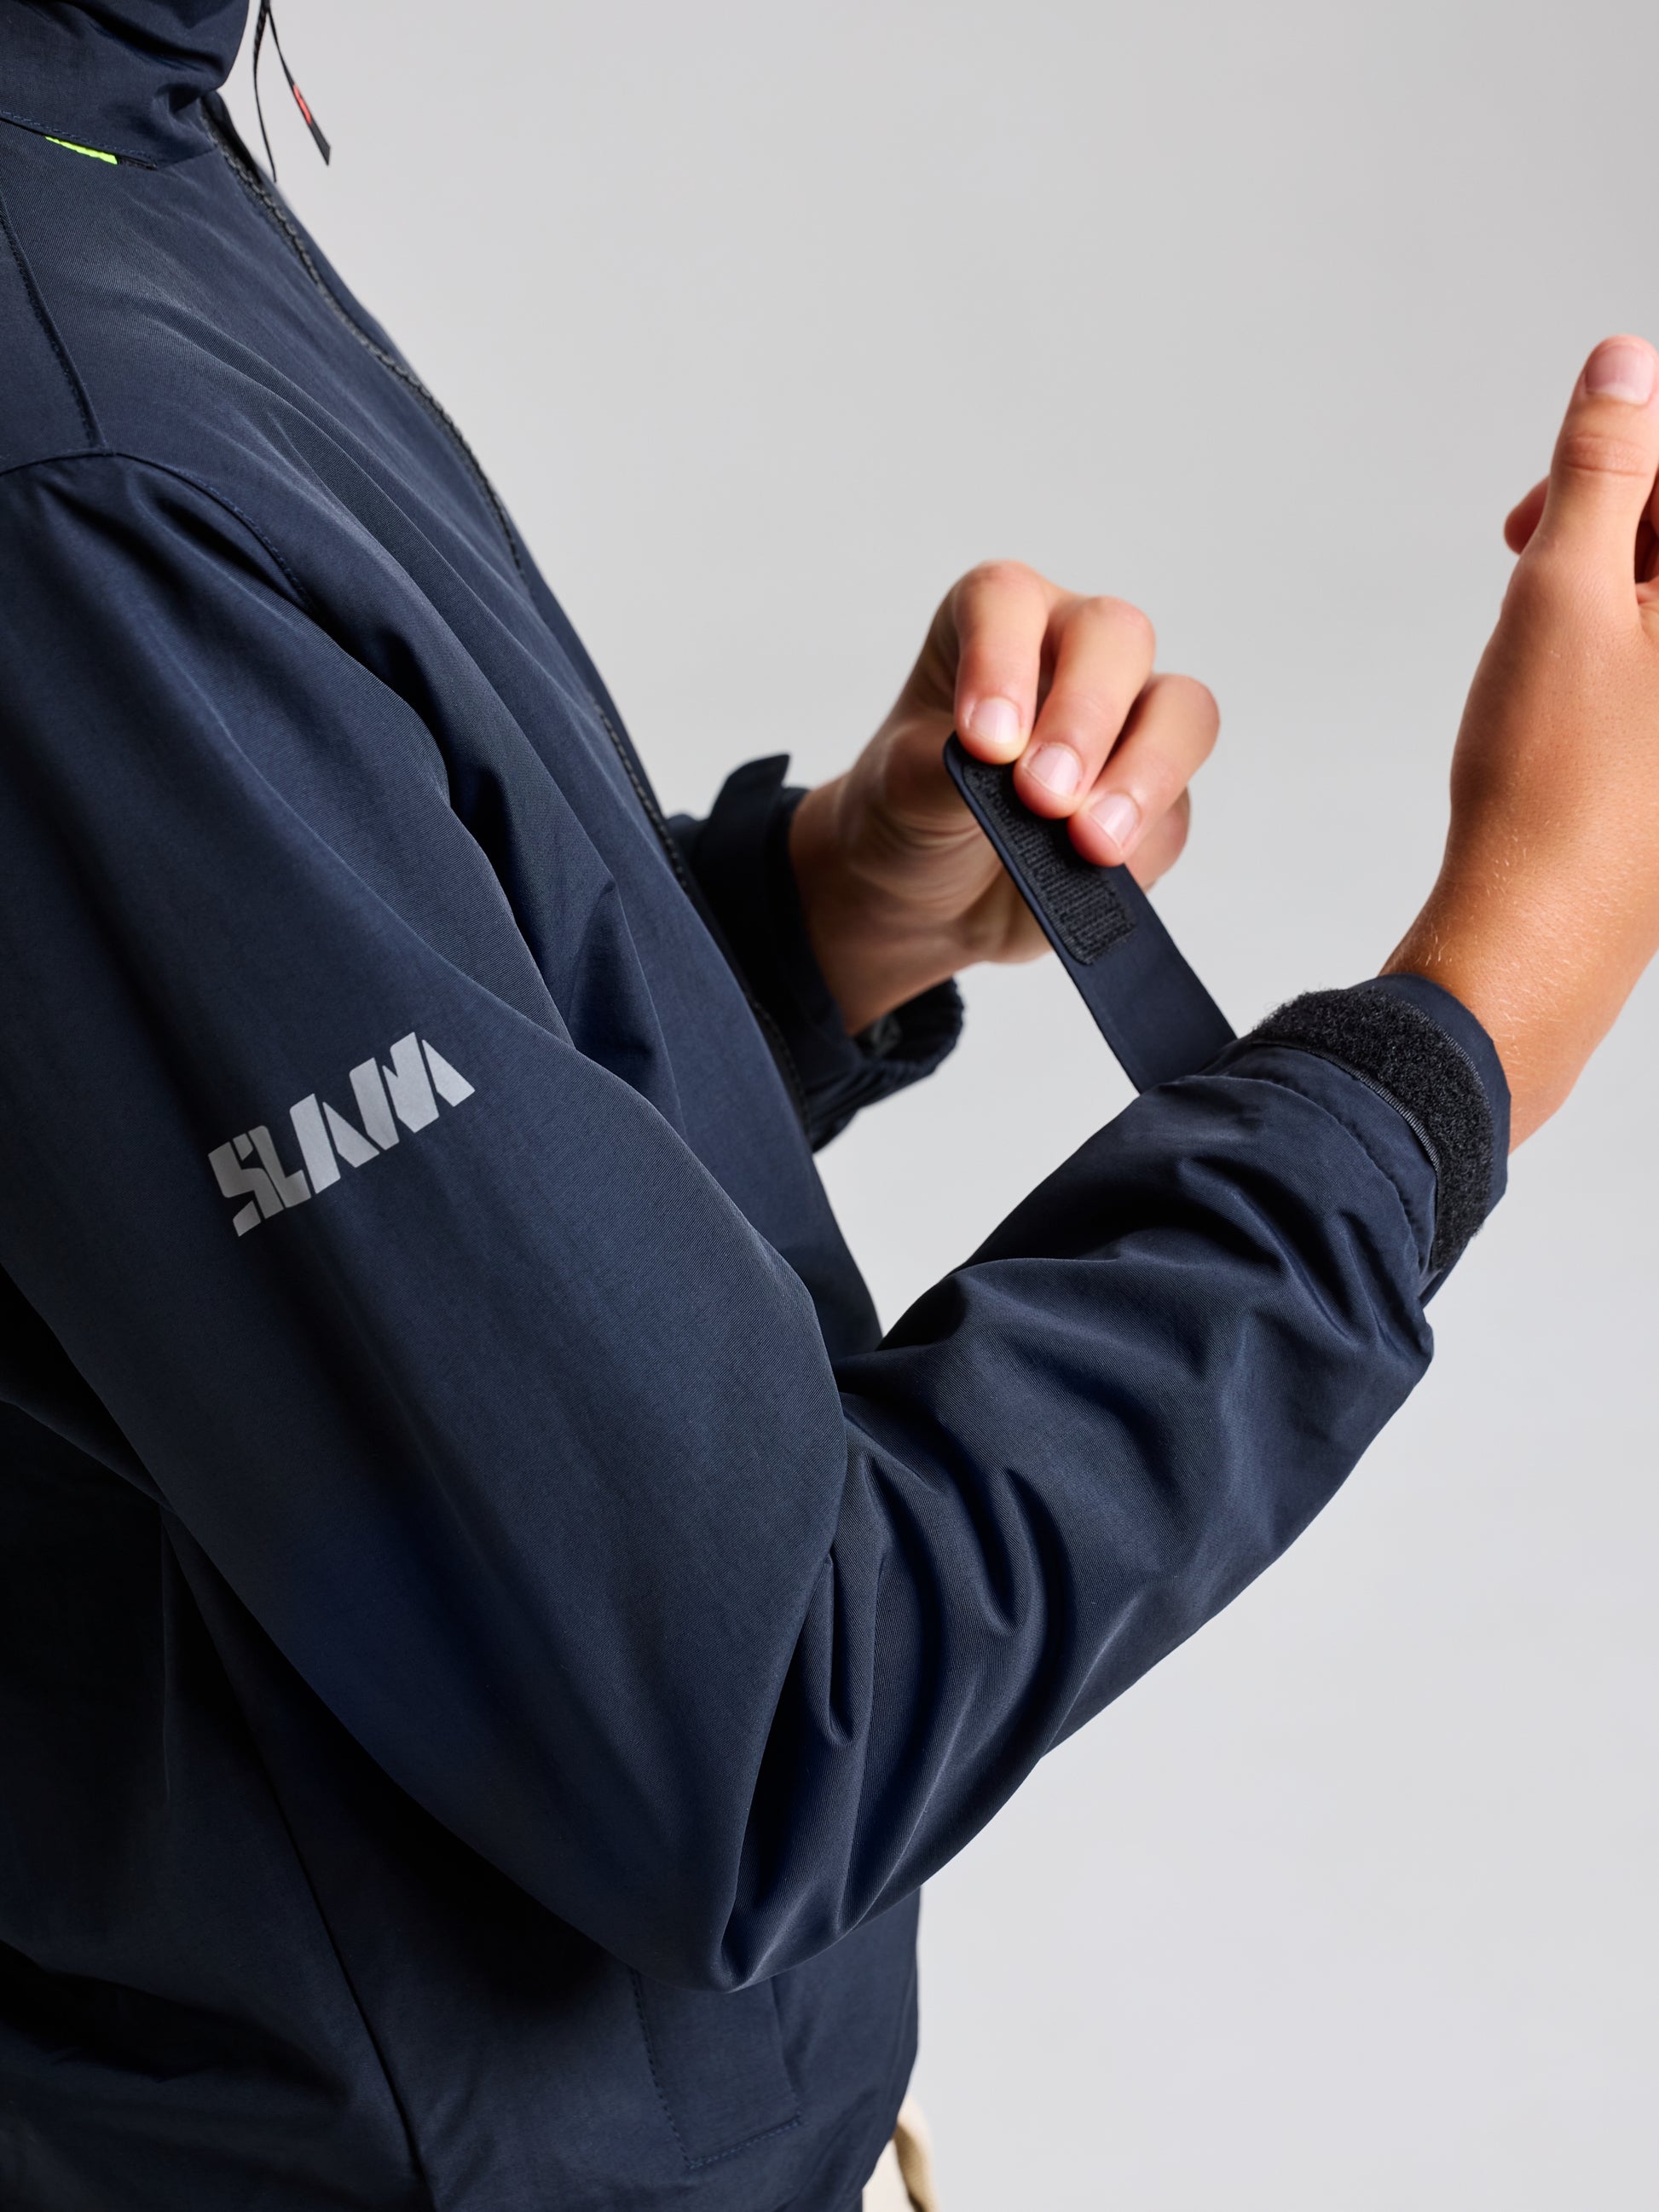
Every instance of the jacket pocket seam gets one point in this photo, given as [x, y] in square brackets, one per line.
[709, 2158]
[713, 2158]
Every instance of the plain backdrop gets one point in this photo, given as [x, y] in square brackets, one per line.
[770, 320]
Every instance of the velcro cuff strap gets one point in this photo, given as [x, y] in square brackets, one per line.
[1403, 1053]
[1149, 1007]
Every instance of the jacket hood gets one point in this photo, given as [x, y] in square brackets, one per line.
[125, 77]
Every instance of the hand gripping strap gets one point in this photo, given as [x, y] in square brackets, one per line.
[1149, 1007]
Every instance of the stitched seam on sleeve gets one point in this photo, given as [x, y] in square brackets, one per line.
[1283, 1083]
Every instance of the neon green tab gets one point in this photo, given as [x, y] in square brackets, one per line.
[91, 153]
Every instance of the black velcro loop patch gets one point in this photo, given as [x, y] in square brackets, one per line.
[1426, 1077]
[1147, 1003]
[1078, 898]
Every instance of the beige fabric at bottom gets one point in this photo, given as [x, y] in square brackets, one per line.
[903, 2179]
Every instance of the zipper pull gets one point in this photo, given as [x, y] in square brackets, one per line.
[267, 21]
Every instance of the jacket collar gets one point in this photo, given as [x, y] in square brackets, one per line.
[124, 77]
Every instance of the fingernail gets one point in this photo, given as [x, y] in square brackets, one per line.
[1057, 768]
[997, 722]
[1119, 817]
[1619, 370]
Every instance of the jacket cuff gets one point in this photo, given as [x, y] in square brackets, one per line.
[1424, 1052]
[739, 855]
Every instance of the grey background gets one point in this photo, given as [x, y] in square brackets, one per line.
[769, 320]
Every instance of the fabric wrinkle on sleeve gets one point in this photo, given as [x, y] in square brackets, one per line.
[517, 1441]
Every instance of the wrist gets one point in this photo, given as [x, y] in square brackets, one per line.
[876, 949]
[1515, 971]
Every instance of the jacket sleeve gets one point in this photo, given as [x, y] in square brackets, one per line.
[520, 1442]
[739, 855]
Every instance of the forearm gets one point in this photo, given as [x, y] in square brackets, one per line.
[1537, 978]
[1546, 907]
[1074, 1451]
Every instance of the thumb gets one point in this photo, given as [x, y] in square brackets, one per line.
[1606, 459]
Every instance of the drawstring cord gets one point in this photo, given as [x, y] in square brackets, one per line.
[267, 21]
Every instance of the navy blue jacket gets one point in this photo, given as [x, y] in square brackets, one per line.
[491, 1638]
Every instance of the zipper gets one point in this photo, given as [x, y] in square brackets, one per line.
[1404, 1111]
[242, 167]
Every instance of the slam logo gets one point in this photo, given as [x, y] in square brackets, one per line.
[407, 1091]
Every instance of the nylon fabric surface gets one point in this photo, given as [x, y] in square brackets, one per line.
[492, 1638]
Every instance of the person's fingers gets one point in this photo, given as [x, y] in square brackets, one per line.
[1001, 613]
[1103, 655]
[1522, 517]
[1169, 736]
[1601, 477]
[1163, 844]
[1521, 521]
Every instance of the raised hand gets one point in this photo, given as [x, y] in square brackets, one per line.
[1547, 908]
[899, 888]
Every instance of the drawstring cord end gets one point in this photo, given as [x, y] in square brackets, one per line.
[267, 21]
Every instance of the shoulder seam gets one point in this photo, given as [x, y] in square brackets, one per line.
[197, 483]
[77, 390]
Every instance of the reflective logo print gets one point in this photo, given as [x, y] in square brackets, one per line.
[407, 1091]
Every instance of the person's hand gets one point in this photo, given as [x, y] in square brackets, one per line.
[1547, 908]
[899, 887]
